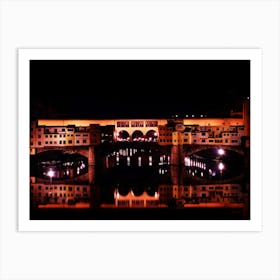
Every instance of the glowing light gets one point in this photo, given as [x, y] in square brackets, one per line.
[221, 166]
[221, 152]
[50, 173]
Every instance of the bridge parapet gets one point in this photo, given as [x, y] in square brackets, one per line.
[82, 150]
[192, 149]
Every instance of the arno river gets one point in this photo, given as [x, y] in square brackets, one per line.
[150, 168]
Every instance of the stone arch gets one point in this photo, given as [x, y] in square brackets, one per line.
[123, 189]
[151, 135]
[57, 164]
[137, 190]
[197, 148]
[137, 135]
[123, 135]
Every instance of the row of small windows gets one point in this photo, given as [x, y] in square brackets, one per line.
[203, 188]
[62, 142]
[63, 135]
[166, 196]
[84, 189]
[137, 124]
[84, 141]
[202, 141]
[54, 130]
[61, 195]
[202, 134]
[123, 124]
[137, 203]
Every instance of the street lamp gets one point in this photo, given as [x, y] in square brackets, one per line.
[221, 152]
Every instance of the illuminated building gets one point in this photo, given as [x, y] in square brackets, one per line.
[202, 193]
[43, 193]
[67, 133]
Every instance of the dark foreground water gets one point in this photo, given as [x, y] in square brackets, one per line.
[139, 214]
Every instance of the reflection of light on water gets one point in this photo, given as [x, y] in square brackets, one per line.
[150, 160]
[162, 171]
[221, 166]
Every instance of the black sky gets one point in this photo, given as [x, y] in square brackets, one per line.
[136, 88]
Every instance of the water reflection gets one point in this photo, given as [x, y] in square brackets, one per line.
[199, 177]
[137, 174]
[215, 164]
[58, 165]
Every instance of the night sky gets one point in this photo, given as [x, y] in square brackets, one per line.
[136, 88]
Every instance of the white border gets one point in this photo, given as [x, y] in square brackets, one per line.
[254, 224]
